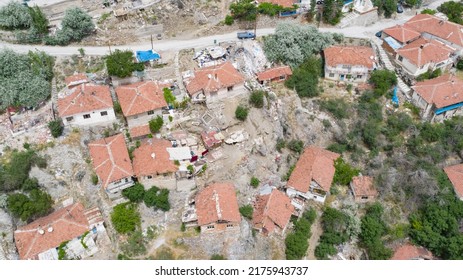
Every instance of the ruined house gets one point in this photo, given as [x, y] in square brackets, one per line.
[455, 174]
[272, 212]
[363, 189]
[275, 74]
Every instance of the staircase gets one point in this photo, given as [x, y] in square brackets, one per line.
[347, 19]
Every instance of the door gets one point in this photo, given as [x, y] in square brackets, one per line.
[342, 77]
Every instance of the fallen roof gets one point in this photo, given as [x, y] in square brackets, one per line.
[76, 79]
[217, 203]
[274, 72]
[442, 91]
[411, 252]
[85, 98]
[349, 55]
[402, 33]
[423, 51]
[110, 159]
[455, 174]
[363, 186]
[213, 78]
[152, 158]
[140, 97]
[316, 164]
[274, 208]
[49, 232]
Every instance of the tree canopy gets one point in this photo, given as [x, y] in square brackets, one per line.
[244, 10]
[386, 7]
[14, 15]
[383, 81]
[122, 64]
[157, 198]
[125, 218]
[453, 10]
[344, 172]
[332, 11]
[373, 229]
[305, 77]
[75, 25]
[36, 204]
[134, 193]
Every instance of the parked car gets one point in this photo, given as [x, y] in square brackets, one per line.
[378, 34]
[246, 35]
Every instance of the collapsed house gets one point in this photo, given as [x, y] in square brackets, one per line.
[363, 189]
[272, 212]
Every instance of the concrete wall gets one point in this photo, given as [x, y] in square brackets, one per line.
[340, 74]
[164, 182]
[224, 93]
[218, 227]
[308, 195]
[142, 119]
[95, 118]
[427, 110]
[114, 189]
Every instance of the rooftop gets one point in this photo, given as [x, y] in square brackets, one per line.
[433, 25]
[110, 159]
[411, 252]
[274, 72]
[283, 3]
[423, 51]
[455, 174]
[217, 203]
[363, 186]
[85, 98]
[272, 209]
[349, 55]
[152, 158]
[140, 97]
[139, 131]
[50, 231]
[442, 91]
[76, 79]
[402, 34]
[316, 164]
[213, 78]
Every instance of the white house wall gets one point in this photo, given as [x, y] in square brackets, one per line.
[95, 118]
[142, 119]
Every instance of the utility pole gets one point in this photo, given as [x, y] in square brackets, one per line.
[152, 47]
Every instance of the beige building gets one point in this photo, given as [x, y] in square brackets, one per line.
[349, 63]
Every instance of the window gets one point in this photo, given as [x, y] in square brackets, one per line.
[282, 77]
[400, 58]
[104, 113]
[230, 88]
[69, 119]
[364, 197]
[210, 227]
[151, 112]
[229, 226]
[87, 116]
[359, 76]
[331, 75]
[126, 180]
[149, 177]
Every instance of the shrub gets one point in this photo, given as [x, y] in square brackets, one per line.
[121, 64]
[296, 242]
[75, 25]
[296, 146]
[15, 16]
[254, 182]
[134, 193]
[229, 20]
[125, 218]
[383, 80]
[156, 124]
[94, 179]
[281, 143]
[343, 172]
[257, 98]
[337, 107]
[241, 113]
[157, 198]
[428, 11]
[56, 128]
[36, 204]
[218, 257]
[135, 245]
[191, 169]
[117, 107]
[460, 64]
[305, 78]
[246, 211]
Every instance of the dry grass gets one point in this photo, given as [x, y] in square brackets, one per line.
[73, 139]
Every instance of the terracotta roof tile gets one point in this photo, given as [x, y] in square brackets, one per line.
[217, 203]
[340, 55]
[110, 159]
[139, 131]
[422, 51]
[272, 209]
[283, 3]
[411, 252]
[274, 72]
[140, 97]
[455, 174]
[65, 224]
[213, 78]
[443, 29]
[363, 186]
[402, 34]
[441, 91]
[152, 158]
[76, 79]
[315, 164]
[85, 98]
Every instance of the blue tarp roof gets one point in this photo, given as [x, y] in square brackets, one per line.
[393, 43]
[448, 108]
[395, 98]
[144, 56]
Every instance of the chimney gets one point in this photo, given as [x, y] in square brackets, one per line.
[441, 22]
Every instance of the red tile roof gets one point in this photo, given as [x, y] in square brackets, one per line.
[217, 203]
[213, 78]
[140, 97]
[209, 139]
[139, 131]
[315, 164]
[272, 209]
[85, 98]
[441, 91]
[340, 55]
[455, 174]
[283, 3]
[401, 33]
[152, 158]
[76, 80]
[363, 186]
[274, 73]
[110, 159]
[411, 252]
[443, 29]
[62, 225]
[423, 51]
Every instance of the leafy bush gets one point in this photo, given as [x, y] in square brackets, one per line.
[75, 25]
[244, 10]
[429, 75]
[36, 204]
[337, 107]
[460, 64]
[305, 78]
[94, 179]
[373, 229]
[15, 16]
[125, 218]
[117, 107]
[254, 182]
[134, 193]
[135, 245]
[229, 20]
[39, 20]
[386, 7]
[332, 11]
[156, 124]
[344, 172]
[169, 96]
[257, 98]
[296, 242]
[122, 64]
[56, 128]
[269, 9]
[335, 225]
[383, 81]
[296, 146]
[281, 144]
[218, 257]
[428, 11]
[241, 113]
[157, 198]
[453, 10]
[246, 211]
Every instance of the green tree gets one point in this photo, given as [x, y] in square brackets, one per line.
[383, 80]
[246, 211]
[169, 96]
[156, 124]
[254, 182]
[56, 128]
[305, 78]
[14, 173]
[244, 10]
[30, 184]
[296, 146]
[428, 11]
[241, 113]
[135, 245]
[39, 20]
[332, 11]
[15, 16]
[157, 198]
[257, 98]
[229, 20]
[453, 10]
[121, 64]
[373, 229]
[386, 7]
[296, 246]
[76, 24]
[344, 172]
[337, 107]
[134, 193]
[37, 204]
[335, 224]
[125, 218]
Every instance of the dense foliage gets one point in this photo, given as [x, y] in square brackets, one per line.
[335, 225]
[254, 182]
[125, 218]
[292, 44]
[156, 124]
[383, 81]
[122, 64]
[305, 77]
[36, 203]
[257, 98]
[428, 11]
[14, 15]
[386, 7]
[453, 10]
[296, 242]
[241, 113]
[244, 10]
[75, 25]
[134, 193]
[296, 146]
[344, 172]
[157, 198]
[246, 211]
[56, 128]
[429, 75]
[332, 11]
[337, 107]
[373, 228]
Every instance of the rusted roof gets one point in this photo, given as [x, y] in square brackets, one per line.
[433, 25]
[140, 97]
[315, 164]
[363, 186]
[423, 51]
[217, 203]
[349, 55]
[110, 159]
[272, 209]
[442, 91]
[411, 252]
[152, 158]
[49, 232]
[402, 34]
[85, 98]
[274, 73]
[455, 174]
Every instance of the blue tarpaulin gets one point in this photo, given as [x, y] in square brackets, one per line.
[448, 108]
[393, 43]
[144, 56]
[395, 98]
